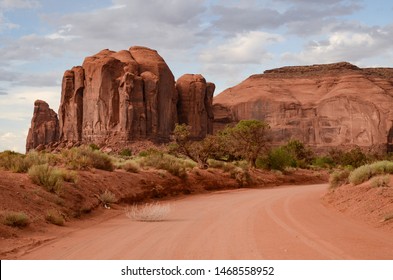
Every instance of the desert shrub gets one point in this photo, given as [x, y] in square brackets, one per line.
[20, 163]
[125, 152]
[242, 176]
[68, 176]
[81, 158]
[301, 154]
[94, 147]
[360, 174]
[366, 172]
[15, 219]
[279, 158]
[380, 181]
[323, 162]
[355, 157]
[130, 166]
[107, 197]
[54, 217]
[338, 178]
[176, 166]
[13, 161]
[49, 177]
[216, 163]
[149, 212]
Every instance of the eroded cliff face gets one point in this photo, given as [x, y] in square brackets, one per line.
[115, 98]
[195, 104]
[323, 105]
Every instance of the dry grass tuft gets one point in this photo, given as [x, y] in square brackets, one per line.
[149, 212]
[107, 197]
[54, 217]
[15, 219]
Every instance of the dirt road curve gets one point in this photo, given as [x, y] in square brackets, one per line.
[279, 223]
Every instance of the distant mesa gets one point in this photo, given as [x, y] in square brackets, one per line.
[116, 98]
[330, 105]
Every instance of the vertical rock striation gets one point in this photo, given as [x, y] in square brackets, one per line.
[118, 97]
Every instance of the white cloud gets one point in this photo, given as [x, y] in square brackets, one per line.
[18, 4]
[345, 46]
[245, 48]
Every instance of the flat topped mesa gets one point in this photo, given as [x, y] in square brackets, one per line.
[118, 97]
[324, 105]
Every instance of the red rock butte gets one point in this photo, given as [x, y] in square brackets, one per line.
[331, 105]
[118, 97]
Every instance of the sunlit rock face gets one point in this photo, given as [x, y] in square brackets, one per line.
[332, 105]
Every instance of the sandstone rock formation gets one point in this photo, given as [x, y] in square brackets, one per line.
[44, 126]
[195, 104]
[323, 105]
[118, 97]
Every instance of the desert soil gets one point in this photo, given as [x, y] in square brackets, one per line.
[288, 222]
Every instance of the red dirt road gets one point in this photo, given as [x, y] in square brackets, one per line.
[277, 223]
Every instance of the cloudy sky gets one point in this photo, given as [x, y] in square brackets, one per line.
[225, 40]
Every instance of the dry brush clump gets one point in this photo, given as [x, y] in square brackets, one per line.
[338, 178]
[15, 219]
[366, 172]
[20, 163]
[149, 212]
[380, 181]
[54, 217]
[51, 178]
[107, 198]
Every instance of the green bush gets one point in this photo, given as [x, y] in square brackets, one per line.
[323, 162]
[279, 158]
[355, 157]
[126, 152]
[338, 178]
[49, 177]
[15, 219]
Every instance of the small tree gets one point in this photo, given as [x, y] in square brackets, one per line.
[248, 139]
[198, 151]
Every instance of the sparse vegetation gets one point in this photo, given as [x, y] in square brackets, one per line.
[81, 158]
[174, 165]
[149, 212]
[15, 219]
